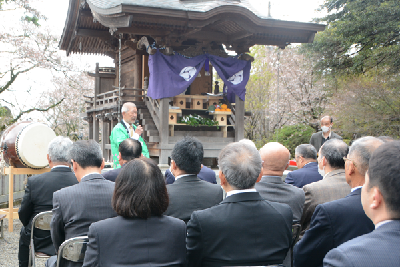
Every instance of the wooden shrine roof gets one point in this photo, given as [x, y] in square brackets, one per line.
[93, 26]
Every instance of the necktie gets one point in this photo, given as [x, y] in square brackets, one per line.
[131, 130]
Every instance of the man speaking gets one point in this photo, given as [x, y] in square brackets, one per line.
[126, 129]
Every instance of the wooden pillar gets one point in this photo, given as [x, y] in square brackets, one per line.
[239, 119]
[104, 138]
[96, 86]
[90, 127]
[11, 200]
[95, 128]
[164, 129]
[137, 82]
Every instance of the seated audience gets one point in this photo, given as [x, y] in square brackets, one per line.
[244, 229]
[129, 149]
[307, 172]
[275, 159]
[76, 207]
[188, 193]
[380, 199]
[205, 174]
[140, 235]
[39, 197]
[338, 221]
[333, 186]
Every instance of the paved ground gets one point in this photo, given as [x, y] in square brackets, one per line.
[9, 246]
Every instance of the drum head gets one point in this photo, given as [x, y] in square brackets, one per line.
[32, 143]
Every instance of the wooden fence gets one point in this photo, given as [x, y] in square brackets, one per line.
[19, 188]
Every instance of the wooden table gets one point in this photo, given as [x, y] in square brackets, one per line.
[11, 212]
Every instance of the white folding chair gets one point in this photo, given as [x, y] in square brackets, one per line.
[73, 249]
[40, 221]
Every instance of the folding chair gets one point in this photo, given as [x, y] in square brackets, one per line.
[296, 227]
[73, 249]
[40, 221]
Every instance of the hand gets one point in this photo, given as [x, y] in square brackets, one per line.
[139, 130]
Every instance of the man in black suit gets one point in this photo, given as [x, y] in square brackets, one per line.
[188, 193]
[307, 172]
[76, 207]
[380, 199]
[338, 221]
[39, 197]
[128, 149]
[205, 174]
[244, 229]
[318, 139]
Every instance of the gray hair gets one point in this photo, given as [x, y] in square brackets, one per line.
[307, 151]
[248, 142]
[87, 153]
[58, 149]
[334, 150]
[241, 165]
[125, 107]
[361, 151]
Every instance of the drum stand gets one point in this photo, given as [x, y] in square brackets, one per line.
[11, 212]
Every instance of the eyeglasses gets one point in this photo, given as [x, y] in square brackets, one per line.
[345, 158]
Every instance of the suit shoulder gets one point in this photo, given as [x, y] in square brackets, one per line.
[314, 135]
[173, 220]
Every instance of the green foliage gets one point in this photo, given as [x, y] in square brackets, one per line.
[293, 135]
[32, 19]
[368, 105]
[360, 36]
[196, 120]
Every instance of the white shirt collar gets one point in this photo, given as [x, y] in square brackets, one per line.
[60, 166]
[233, 192]
[382, 223]
[183, 175]
[355, 188]
[126, 124]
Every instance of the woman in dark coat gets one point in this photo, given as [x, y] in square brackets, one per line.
[140, 235]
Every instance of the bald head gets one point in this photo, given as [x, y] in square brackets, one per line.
[275, 158]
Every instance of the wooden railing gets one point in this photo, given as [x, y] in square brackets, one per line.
[111, 97]
[153, 105]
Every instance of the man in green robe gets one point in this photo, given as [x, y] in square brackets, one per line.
[126, 129]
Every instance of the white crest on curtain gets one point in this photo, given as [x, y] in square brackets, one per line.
[187, 73]
[236, 78]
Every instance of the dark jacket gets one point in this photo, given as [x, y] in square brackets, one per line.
[156, 241]
[188, 194]
[332, 224]
[306, 175]
[38, 198]
[244, 229]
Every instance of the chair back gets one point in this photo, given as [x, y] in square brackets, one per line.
[40, 221]
[73, 249]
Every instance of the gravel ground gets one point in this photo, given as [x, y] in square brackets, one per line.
[9, 246]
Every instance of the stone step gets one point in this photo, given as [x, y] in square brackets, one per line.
[145, 116]
[152, 133]
[150, 127]
[154, 139]
[147, 121]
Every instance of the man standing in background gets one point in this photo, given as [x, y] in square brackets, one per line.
[318, 139]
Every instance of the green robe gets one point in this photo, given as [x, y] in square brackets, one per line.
[119, 134]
